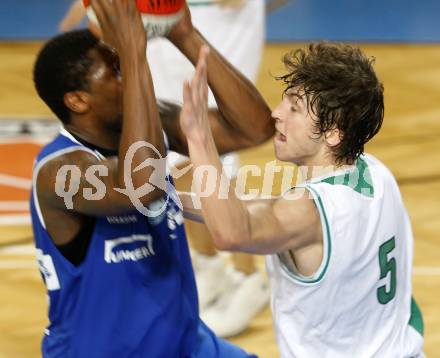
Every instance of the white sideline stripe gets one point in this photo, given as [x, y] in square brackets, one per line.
[28, 249]
[16, 182]
[23, 249]
[24, 117]
[27, 139]
[14, 205]
[426, 271]
[10, 220]
[18, 264]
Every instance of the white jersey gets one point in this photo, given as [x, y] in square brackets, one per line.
[358, 303]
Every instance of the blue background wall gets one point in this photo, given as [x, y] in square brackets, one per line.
[360, 20]
[299, 20]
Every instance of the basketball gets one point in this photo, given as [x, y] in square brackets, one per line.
[158, 16]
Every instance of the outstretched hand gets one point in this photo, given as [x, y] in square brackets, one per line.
[120, 24]
[194, 115]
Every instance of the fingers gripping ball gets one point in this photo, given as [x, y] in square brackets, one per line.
[158, 16]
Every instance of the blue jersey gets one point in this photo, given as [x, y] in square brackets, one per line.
[134, 294]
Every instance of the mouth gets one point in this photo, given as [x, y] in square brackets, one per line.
[279, 136]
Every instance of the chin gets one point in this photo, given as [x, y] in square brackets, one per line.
[284, 157]
[281, 156]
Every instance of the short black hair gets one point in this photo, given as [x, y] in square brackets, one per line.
[342, 90]
[62, 66]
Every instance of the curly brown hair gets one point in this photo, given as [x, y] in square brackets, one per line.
[342, 90]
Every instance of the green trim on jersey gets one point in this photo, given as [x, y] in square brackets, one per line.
[321, 274]
[360, 183]
[416, 319]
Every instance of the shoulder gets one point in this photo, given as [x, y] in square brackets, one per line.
[298, 211]
[68, 163]
[64, 143]
[75, 155]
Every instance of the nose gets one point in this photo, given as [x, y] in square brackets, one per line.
[276, 113]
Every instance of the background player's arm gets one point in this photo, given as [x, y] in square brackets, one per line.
[73, 16]
[243, 118]
[225, 137]
[123, 29]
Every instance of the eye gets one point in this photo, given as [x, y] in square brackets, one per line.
[116, 69]
[292, 109]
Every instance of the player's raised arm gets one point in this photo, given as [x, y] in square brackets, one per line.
[262, 226]
[126, 114]
[243, 117]
[73, 17]
[140, 115]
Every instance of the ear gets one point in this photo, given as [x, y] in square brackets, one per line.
[77, 101]
[333, 137]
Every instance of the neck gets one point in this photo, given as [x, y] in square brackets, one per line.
[322, 168]
[101, 137]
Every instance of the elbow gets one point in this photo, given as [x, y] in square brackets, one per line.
[222, 244]
[267, 132]
[155, 185]
[228, 241]
[153, 196]
[264, 133]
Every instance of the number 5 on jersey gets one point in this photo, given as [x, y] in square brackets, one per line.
[387, 266]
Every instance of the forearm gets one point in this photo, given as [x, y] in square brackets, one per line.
[226, 218]
[190, 211]
[140, 116]
[73, 16]
[238, 100]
